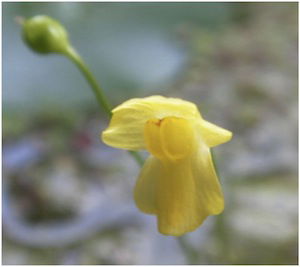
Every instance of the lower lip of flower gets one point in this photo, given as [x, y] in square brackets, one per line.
[170, 138]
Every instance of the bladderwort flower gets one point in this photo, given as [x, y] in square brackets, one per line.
[178, 182]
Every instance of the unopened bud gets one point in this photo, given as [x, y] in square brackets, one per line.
[45, 35]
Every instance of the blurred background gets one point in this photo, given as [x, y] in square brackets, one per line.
[67, 198]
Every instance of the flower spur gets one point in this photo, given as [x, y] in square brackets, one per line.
[178, 182]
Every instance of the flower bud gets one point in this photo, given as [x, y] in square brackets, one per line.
[45, 35]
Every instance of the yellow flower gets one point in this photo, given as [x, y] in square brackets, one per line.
[178, 182]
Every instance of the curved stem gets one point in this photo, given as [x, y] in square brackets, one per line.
[102, 101]
[72, 54]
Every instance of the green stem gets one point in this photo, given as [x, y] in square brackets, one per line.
[72, 54]
[102, 101]
[221, 229]
[138, 158]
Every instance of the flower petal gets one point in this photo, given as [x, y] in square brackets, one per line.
[126, 127]
[145, 188]
[171, 138]
[177, 138]
[210, 194]
[212, 134]
[187, 192]
[179, 210]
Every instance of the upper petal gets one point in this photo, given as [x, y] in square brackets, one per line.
[212, 134]
[126, 128]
